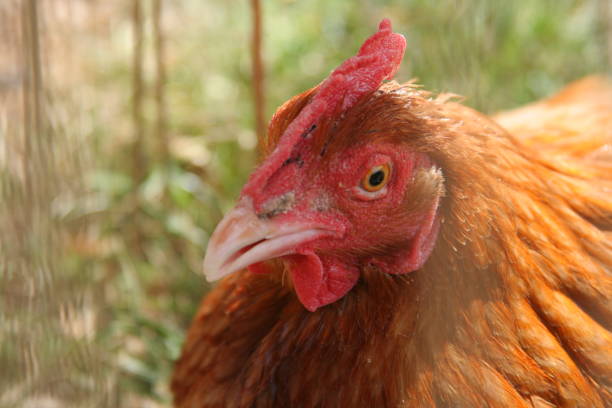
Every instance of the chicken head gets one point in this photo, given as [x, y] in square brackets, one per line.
[335, 196]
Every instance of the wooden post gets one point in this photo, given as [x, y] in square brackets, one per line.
[32, 90]
[138, 165]
[258, 72]
[161, 126]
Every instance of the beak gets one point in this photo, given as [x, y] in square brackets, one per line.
[242, 239]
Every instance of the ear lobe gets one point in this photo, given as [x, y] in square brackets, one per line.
[414, 256]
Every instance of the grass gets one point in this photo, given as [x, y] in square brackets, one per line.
[100, 268]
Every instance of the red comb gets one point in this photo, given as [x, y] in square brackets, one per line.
[378, 59]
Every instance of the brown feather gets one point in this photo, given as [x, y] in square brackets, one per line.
[513, 308]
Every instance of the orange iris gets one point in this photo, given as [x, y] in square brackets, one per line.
[376, 178]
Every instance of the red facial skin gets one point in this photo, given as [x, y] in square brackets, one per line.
[326, 191]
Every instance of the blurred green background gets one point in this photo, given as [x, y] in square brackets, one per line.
[127, 129]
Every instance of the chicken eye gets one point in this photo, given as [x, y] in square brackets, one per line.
[376, 178]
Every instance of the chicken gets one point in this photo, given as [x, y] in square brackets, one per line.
[396, 248]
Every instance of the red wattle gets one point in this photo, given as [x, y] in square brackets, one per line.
[319, 281]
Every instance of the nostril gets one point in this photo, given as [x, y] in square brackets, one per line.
[277, 205]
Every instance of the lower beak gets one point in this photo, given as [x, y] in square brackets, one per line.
[242, 239]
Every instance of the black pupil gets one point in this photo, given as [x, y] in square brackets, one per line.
[376, 178]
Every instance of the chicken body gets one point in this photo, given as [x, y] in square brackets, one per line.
[513, 307]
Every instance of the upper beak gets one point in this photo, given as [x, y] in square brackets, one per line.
[242, 239]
